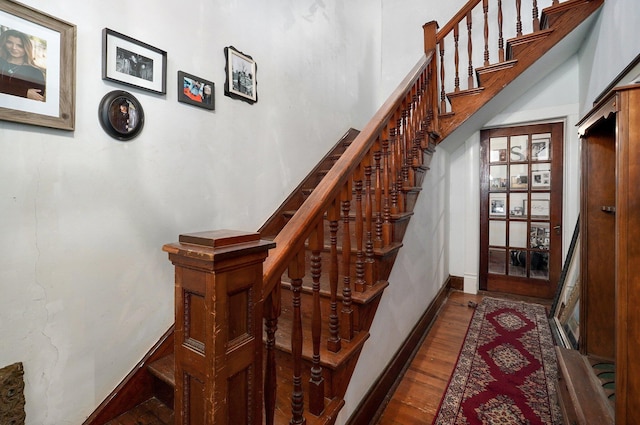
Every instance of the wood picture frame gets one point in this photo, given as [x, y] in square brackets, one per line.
[240, 71]
[562, 314]
[121, 115]
[196, 91]
[133, 63]
[40, 90]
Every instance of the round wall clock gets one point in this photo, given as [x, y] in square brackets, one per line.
[121, 115]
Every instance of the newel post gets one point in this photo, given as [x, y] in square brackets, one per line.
[218, 327]
[430, 32]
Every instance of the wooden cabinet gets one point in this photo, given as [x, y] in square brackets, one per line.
[610, 256]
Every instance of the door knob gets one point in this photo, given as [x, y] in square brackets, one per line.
[557, 229]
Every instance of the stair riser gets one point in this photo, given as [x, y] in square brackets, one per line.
[362, 312]
[335, 381]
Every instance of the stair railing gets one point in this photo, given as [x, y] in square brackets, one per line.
[357, 201]
[485, 16]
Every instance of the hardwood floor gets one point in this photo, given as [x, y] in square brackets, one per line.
[417, 396]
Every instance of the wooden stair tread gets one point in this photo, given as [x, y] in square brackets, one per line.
[150, 412]
[365, 297]
[164, 370]
[585, 398]
[328, 359]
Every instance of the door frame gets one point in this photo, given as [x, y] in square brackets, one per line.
[515, 284]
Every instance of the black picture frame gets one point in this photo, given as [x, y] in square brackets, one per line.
[133, 63]
[240, 70]
[116, 125]
[53, 54]
[196, 91]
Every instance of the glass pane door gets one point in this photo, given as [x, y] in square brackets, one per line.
[521, 209]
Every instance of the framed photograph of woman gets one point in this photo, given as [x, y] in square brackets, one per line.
[133, 63]
[241, 76]
[37, 67]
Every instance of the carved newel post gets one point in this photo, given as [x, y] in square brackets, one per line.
[218, 329]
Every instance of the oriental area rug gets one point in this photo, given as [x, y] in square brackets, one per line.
[506, 370]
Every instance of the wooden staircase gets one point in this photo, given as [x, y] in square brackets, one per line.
[350, 214]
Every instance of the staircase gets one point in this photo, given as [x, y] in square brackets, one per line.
[337, 235]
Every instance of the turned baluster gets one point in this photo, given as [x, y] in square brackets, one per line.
[346, 316]
[500, 38]
[518, 17]
[536, 19]
[377, 243]
[296, 273]
[271, 313]
[369, 260]
[316, 381]
[411, 150]
[443, 102]
[456, 58]
[333, 214]
[392, 160]
[470, 82]
[360, 283]
[386, 208]
[485, 10]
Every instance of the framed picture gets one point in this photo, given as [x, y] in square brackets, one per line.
[540, 179]
[121, 115]
[133, 63]
[241, 76]
[540, 150]
[37, 78]
[195, 91]
[519, 182]
[564, 315]
[498, 207]
[540, 208]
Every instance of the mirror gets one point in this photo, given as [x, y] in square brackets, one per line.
[564, 315]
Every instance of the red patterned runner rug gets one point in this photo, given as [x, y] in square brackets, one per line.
[506, 370]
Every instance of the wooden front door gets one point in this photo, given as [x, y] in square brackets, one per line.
[521, 209]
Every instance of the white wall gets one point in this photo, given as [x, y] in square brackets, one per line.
[86, 289]
[608, 49]
[554, 99]
[417, 276]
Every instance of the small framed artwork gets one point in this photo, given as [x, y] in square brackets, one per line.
[540, 179]
[121, 115]
[195, 91]
[133, 63]
[241, 76]
[519, 182]
[540, 150]
[37, 67]
[540, 208]
[498, 204]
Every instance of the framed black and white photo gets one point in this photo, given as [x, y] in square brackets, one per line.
[196, 91]
[37, 67]
[121, 115]
[241, 76]
[133, 63]
[540, 179]
[540, 149]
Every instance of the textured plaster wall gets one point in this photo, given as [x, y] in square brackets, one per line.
[85, 288]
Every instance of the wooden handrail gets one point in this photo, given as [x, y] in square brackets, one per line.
[292, 237]
[457, 18]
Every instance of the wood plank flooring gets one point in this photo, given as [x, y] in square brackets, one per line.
[417, 396]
